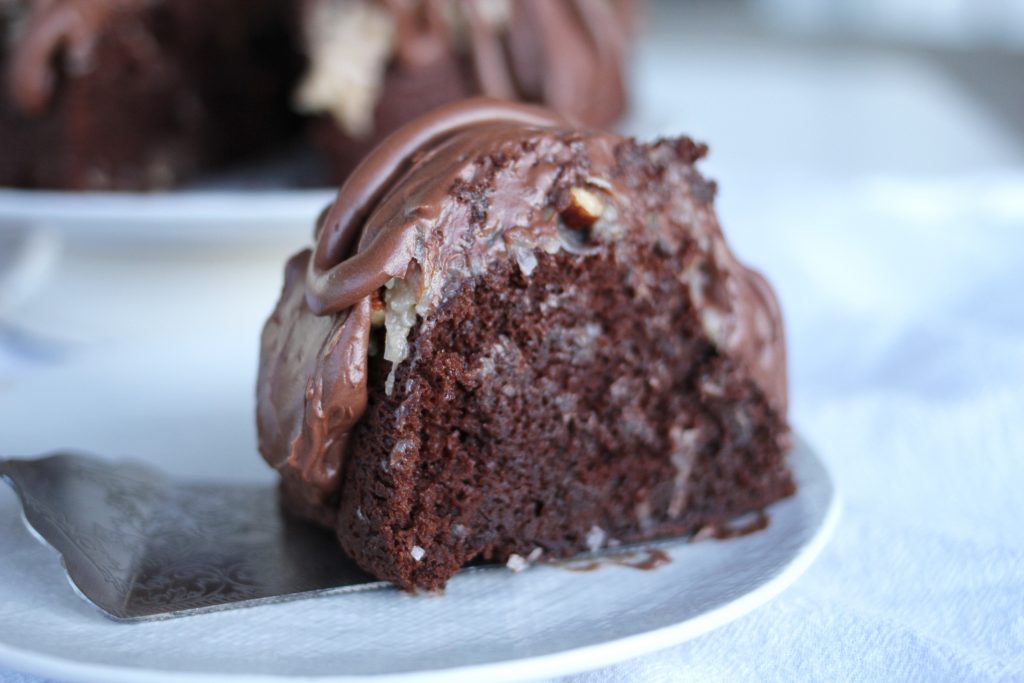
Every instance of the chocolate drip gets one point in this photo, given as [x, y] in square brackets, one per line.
[322, 390]
[734, 528]
[581, 44]
[608, 30]
[491, 67]
[649, 560]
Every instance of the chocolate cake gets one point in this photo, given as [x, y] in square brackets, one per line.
[140, 94]
[374, 65]
[516, 340]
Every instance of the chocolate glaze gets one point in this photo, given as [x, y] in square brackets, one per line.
[650, 560]
[55, 28]
[395, 218]
[580, 45]
[317, 392]
[727, 530]
[653, 558]
[338, 279]
[582, 42]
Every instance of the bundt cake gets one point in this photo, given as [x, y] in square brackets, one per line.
[515, 340]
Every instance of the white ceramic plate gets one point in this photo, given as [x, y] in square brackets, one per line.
[489, 625]
[267, 199]
[275, 215]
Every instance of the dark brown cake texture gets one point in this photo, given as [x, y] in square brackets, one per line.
[140, 94]
[515, 341]
[374, 65]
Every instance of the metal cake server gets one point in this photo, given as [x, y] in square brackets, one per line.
[141, 545]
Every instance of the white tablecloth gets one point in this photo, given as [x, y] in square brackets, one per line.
[905, 303]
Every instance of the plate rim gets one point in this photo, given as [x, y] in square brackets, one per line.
[566, 662]
[214, 204]
[185, 218]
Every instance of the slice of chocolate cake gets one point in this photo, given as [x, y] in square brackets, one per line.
[374, 65]
[516, 339]
[140, 94]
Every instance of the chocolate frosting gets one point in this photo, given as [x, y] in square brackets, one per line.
[336, 282]
[412, 214]
[310, 394]
[567, 55]
[54, 29]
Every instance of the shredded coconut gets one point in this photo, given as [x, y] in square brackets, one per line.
[596, 538]
[683, 454]
[517, 563]
[524, 256]
[351, 43]
[399, 318]
[608, 226]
